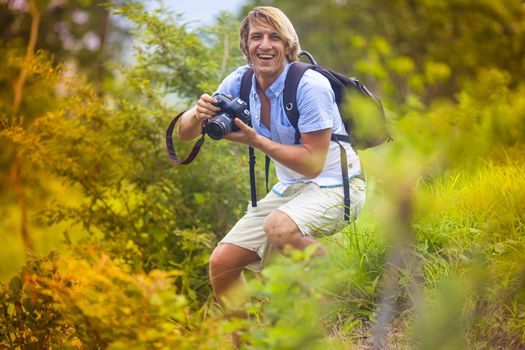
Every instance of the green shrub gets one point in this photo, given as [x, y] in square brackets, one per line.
[98, 303]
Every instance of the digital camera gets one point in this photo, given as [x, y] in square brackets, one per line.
[222, 123]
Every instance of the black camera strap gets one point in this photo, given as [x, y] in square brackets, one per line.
[171, 149]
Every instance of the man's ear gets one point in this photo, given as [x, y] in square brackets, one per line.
[288, 53]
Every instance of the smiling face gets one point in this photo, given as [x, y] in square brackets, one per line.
[266, 51]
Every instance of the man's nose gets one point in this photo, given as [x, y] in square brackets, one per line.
[266, 42]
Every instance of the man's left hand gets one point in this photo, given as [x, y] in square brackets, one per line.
[246, 134]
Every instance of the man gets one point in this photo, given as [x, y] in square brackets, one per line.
[308, 199]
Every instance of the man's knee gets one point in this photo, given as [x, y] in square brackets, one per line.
[280, 229]
[217, 259]
[272, 230]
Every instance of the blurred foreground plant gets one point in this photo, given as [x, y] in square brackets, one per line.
[471, 234]
[95, 302]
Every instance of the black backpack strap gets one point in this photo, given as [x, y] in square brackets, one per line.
[171, 149]
[246, 86]
[294, 75]
[244, 94]
[344, 173]
[267, 171]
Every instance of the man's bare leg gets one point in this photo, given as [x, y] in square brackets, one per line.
[282, 231]
[226, 264]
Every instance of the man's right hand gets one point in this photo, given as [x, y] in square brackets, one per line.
[206, 107]
[190, 124]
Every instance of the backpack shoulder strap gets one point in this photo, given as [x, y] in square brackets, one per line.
[244, 94]
[294, 75]
[246, 86]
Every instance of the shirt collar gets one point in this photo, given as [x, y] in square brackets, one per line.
[277, 86]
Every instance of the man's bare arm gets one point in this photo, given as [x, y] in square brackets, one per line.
[190, 124]
[307, 158]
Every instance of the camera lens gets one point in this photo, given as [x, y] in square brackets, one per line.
[218, 126]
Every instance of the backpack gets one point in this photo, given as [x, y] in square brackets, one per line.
[342, 86]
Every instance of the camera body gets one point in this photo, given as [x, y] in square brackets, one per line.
[222, 123]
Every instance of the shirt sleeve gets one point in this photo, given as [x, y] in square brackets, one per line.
[316, 103]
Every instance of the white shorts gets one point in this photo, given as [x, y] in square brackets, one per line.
[316, 211]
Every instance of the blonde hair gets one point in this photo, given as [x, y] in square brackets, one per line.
[282, 25]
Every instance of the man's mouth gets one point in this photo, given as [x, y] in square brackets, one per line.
[265, 56]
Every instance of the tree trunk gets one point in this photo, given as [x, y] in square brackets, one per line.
[16, 176]
[19, 83]
[103, 35]
[18, 87]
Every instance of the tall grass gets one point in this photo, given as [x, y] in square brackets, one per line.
[468, 242]
[471, 237]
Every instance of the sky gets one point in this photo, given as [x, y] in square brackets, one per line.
[198, 12]
[203, 11]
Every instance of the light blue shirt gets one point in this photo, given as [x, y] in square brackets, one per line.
[317, 111]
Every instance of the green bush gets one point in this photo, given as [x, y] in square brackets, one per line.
[94, 302]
